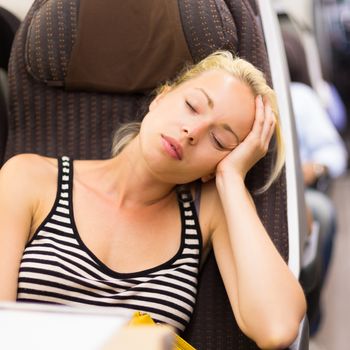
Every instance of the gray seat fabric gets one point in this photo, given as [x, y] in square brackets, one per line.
[48, 119]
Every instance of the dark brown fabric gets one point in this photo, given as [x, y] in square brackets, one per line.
[208, 26]
[127, 46]
[49, 40]
[251, 43]
[254, 6]
[213, 326]
[47, 120]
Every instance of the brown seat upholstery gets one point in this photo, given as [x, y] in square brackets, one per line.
[51, 118]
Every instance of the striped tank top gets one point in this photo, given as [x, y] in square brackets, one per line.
[58, 268]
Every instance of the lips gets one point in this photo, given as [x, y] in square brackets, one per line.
[172, 147]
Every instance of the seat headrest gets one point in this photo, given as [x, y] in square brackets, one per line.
[296, 57]
[116, 46]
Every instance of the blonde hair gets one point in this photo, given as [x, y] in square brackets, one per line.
[124, 134]
[241, 70]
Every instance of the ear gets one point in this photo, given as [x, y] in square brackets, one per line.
[207, 178]
[156, 100]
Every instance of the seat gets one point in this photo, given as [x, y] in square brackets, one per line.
[67, 95]
[3, 123]
[8, 27]
[9, 24]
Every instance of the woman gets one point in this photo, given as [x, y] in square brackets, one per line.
[123, 241]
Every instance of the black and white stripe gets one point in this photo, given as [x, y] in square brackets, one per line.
[58, 268]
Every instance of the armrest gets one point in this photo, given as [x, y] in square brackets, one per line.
[302, 341]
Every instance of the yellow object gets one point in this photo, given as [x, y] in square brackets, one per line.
[140, 318]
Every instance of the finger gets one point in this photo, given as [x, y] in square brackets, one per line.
[259, 116]
[270, 132]
[269, 135]
[269, 124]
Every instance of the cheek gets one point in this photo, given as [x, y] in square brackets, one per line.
[160, 118]
[151, 124]
[211, 159]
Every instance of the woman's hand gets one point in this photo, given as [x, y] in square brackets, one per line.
[254, 146]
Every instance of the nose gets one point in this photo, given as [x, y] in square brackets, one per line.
[193, 132]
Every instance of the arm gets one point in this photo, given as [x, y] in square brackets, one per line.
[266, 298]
[15, 221]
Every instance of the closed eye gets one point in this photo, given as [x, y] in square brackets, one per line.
[189, 106]
[217, 142]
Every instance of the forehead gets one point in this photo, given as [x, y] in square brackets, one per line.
[220, 84]
[233, 99]
[213, 76]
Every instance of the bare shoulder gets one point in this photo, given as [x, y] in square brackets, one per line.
[28, 160]
[27, 170]
[26, 181]
[28, 164]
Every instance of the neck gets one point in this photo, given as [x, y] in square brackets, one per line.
[133, 183]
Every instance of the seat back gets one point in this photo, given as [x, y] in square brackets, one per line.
[295, 53]
[3, 121]
[55, 111]
[9, 24]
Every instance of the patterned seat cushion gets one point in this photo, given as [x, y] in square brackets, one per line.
[123, 47]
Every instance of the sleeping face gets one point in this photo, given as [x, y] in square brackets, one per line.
[191, 128]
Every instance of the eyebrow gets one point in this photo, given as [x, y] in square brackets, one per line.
[227, 127]
[211, 105]
[210, 101]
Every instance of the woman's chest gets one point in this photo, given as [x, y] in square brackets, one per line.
[129, 241]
